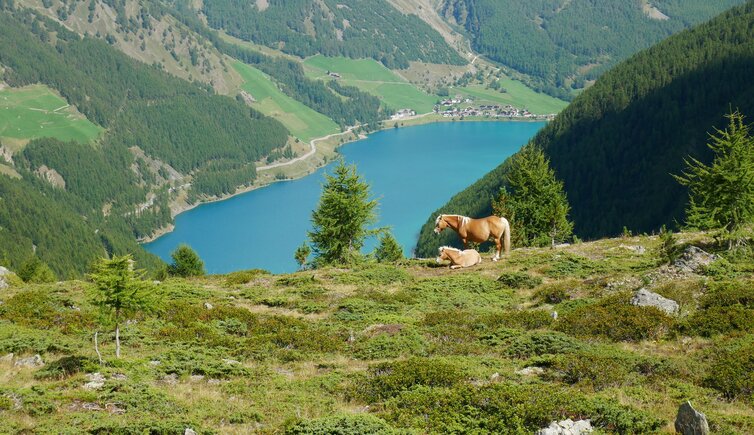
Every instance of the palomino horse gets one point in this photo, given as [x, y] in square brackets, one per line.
[478, 230]
[458, 258]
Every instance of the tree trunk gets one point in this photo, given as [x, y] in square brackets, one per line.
[96, 347]
[117, 340]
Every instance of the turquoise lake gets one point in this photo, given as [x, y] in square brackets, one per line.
[412, 172]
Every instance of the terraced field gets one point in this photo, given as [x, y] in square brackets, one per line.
[302, 121]
[36, 111]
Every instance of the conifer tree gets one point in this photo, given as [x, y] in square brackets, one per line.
[534, 200]
[35, 271]
[121, 291]
[302, 254]
[340, 222]
[186, 262]
[721, 195]
[388, 251]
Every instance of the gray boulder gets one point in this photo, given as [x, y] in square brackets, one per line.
[646, 298]
[689, 421]
[32, 362]
[3, 273]
[567, 427]
[693, 260]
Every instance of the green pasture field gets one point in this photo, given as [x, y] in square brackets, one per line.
[302, 121]
[518, 95]
[36, 111]
[372, 77]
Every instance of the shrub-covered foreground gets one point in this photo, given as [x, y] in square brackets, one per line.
[393, 349]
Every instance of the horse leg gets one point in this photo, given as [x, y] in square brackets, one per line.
[498, 245]
[455, 266]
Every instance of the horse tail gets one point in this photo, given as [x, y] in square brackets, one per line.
[506, 236]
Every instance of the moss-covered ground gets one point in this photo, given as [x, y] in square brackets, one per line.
[407, 348]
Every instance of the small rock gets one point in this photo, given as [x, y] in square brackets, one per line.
[214, 382]
[196, 378]
[638, 249]
[171, 379]
[208, 306]
[96, 381]
[7, 359]
[189, 431]
[113, 408]
[118, 377]
[567, 427]
[32, 361]
[646, 298]
[530, 371]
[494, 377]
[554, 315]
[155, 362]
[693, 260]
[90, 406]
[231, 362]
[689, 421]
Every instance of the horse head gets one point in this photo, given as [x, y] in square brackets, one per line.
[440, 224]
[443, 253]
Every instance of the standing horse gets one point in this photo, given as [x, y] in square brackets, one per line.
[458, 258]
[478, 230]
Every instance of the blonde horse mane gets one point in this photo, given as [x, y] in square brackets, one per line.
[450, 248]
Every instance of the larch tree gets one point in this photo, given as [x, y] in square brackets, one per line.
[534, 200]
[186, 262]
[121, 293]
[721, 194]
[340, 224]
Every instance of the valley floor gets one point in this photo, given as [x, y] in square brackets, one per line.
[409, 348]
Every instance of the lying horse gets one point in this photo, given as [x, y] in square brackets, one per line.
[478, 230]
[458, 258]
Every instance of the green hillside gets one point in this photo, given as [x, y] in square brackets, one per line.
[158, 133]
[616, 145]
[35, 111]
[381, 349]
[303, 122]
[370, 76]
[563, 44]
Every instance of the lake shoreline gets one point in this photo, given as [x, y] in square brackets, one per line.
[178, 207]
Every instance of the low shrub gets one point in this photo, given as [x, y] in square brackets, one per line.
[523, 319]
[386, 380]
[732, 369]
[519, 280]
[570, 265]
[406, 342]
[20, 340]
[601, 367]
[198, 361]
[729, 293]
[65, 367]
[374, 274]
[243, 276]
[542, 343]
[719, 320]
[356, 424]
[616, 319]
[555, 293]
[506, 408]
[41, 309]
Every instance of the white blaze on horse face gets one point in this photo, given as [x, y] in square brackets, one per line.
[437, 224]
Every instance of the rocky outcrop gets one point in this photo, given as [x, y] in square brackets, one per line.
[4, 273]
[689, 421]
[646, 298]
[51, 176]
[30, 362]
[693, 260]
[567, 427]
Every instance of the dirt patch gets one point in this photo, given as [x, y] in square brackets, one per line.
[263, 5]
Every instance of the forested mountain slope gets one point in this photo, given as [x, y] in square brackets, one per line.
[352, 28]
[159, 130]
[616, 145]
[562, 44]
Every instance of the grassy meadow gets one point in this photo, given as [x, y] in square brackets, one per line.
[372, 77]
[518, 95]
[411, 348]
[302, 121]
[36, 111]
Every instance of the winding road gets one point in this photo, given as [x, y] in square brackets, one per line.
[308, 154]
